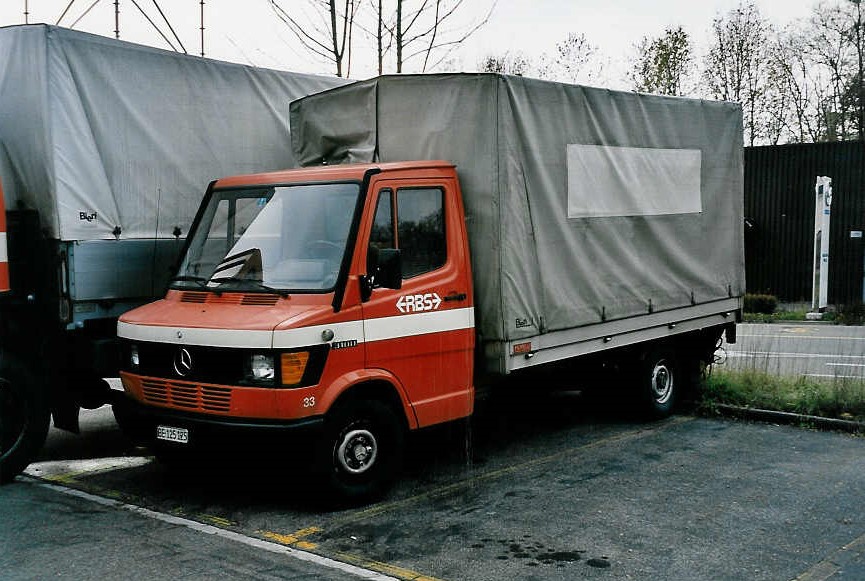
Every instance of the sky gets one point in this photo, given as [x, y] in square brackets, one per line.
[247, 31]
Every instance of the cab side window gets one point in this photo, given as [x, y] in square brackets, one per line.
[382, 235]
[418, 230]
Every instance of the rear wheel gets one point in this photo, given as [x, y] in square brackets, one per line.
[24, 420]
[658, 383]
[361, 450]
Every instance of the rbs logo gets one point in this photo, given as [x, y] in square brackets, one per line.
[418, 303]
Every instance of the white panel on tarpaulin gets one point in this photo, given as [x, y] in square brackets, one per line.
[605, 181]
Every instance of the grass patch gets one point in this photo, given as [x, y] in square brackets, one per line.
[838, 398]
[778, 316]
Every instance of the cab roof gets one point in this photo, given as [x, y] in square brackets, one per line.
[327, 173]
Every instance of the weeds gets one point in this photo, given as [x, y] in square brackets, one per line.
[840, 398]
[853, 314]
[783, 316]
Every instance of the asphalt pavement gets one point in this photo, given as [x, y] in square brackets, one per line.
[543, 486]
[54, 532]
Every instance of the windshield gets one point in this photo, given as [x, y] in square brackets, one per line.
[284, 238]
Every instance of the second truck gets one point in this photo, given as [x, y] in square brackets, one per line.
[104, 145]
[446, 232]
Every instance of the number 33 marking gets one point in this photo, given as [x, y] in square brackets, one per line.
[309, 402]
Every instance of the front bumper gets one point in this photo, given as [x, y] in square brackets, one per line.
[139, 422]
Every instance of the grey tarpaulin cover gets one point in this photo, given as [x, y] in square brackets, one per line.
[97, 133]
[582, 204]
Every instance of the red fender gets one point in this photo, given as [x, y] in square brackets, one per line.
[353, 378]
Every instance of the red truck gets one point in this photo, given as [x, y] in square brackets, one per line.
[356, 302]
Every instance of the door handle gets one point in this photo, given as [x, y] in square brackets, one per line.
[455, 297]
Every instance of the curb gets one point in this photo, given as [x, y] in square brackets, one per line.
[789, 418]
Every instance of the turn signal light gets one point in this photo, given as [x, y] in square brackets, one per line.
[293, 365]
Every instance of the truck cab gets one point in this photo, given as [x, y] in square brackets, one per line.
[334, 300]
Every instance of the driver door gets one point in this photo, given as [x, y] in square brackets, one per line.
[423, 333]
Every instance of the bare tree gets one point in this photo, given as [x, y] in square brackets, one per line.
[857, 38]
[792, 88]
[573, 60]
[835, 30]
[323, 27]
[419, 31]
[507, 63]
[378, 9]
[663, 64]
[736, 64]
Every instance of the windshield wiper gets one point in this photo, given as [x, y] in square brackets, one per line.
[227, 279]
[200, 280]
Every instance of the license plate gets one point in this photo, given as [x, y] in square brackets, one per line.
[169, 434]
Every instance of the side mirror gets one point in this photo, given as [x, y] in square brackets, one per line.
[385, 271]
[388, 272]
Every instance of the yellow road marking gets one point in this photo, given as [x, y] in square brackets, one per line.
[217, 520]
[295, 539]
[385, 568]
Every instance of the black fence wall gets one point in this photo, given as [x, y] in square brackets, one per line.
[779, 212]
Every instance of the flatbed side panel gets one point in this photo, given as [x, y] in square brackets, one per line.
[559, 345]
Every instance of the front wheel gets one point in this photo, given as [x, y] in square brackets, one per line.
[24, 420]
[361, 450]
[658, 382]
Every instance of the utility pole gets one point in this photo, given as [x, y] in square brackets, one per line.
[117, 19]
[26, 13]
[202, 28]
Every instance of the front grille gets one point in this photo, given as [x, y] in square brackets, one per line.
[189, 396]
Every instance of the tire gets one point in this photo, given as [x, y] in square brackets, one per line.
[24, 420]
[658, 382]
[361, 450]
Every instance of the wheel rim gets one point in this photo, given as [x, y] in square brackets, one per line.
[662, 382]
[13, 418]
[357, 451]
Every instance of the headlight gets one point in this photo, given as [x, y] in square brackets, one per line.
[293, 365]
[133, 356]
[260, 367]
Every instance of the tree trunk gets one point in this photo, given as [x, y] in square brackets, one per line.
[398, 36]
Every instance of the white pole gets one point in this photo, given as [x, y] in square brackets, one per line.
[822, 216]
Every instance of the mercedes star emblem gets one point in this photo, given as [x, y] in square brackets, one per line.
[183, 362]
